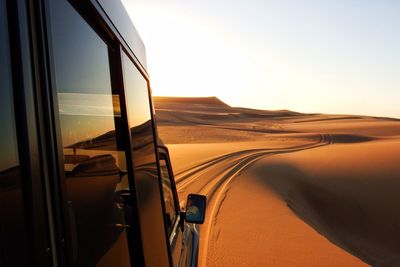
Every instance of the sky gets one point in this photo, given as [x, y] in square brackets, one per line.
[331, 56]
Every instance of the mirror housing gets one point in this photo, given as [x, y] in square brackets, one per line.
[195, 209]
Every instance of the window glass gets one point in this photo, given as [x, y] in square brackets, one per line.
[93, 165]
[13, 234]
[144, 159]
[170, 208]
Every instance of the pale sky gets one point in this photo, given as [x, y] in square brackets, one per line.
[325, 56]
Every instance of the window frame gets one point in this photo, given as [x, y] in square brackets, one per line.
[163, 155]
[22, 38]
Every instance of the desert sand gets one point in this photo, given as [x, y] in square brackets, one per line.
[286, 188]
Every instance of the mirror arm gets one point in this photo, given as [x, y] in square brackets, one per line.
[182, 218]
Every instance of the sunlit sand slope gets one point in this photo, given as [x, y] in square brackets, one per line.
[285, 188]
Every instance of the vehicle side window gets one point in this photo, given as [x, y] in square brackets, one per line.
[93, 165]
[169, 199]
[147, 183]
[13, 227]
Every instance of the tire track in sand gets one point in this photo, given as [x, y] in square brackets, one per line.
[214, 177]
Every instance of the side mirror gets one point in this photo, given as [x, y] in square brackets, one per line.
[195, 208]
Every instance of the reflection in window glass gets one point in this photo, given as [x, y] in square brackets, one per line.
[93, 165]
[144, 159]
[170, 208]
[13, 234]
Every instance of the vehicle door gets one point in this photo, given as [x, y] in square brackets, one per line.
[181, 238]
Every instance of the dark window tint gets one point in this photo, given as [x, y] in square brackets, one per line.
[13, 234]
[144, 159]
[169, 200]
[93, 165]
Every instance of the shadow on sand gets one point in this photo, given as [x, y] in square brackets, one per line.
[359, 215]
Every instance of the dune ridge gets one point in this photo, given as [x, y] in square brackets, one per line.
[212, 100]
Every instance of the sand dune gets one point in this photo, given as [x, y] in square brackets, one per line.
[348, 193]
[285, 188]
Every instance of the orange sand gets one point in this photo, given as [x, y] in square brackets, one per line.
[284, 188]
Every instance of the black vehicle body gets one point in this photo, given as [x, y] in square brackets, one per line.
[83, 178]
